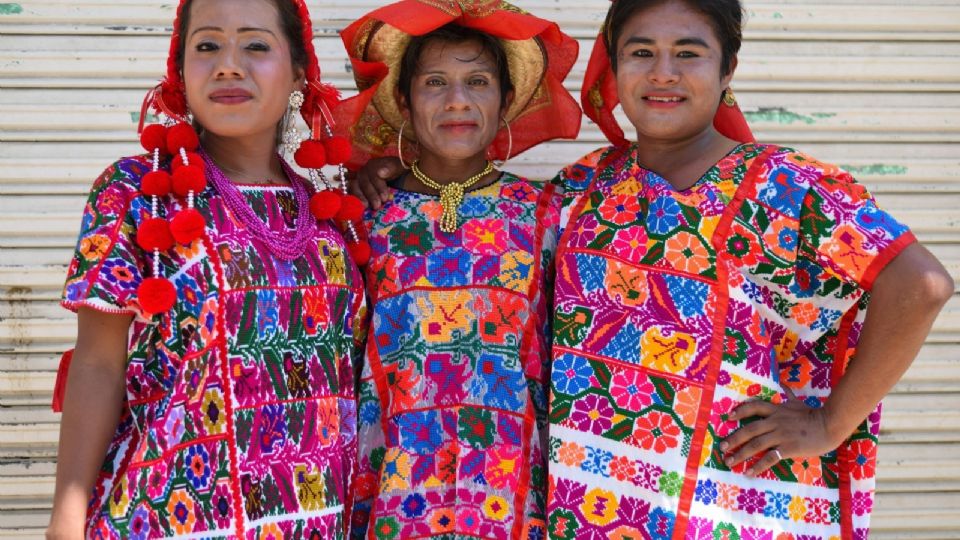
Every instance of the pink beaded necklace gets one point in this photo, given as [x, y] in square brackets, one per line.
[281, 244]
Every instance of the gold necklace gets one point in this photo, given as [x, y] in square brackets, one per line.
[451, 194]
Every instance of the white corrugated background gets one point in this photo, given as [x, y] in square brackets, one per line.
[871, 85]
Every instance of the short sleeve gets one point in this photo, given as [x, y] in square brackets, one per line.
[843, 230]
[574, 181]
[107, 265]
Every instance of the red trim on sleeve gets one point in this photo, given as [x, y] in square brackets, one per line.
[883, 259]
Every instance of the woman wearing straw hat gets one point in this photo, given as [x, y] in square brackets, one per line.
[211, 392]
[453, 394]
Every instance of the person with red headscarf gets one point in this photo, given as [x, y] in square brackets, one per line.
[453, 392]
[716, 367]
[220, 311]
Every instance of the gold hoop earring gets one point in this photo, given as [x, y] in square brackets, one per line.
[400, 145]
[509, 143]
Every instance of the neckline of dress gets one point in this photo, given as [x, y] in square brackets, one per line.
[738, 149]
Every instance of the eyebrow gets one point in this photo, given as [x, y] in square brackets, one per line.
[683, 41]
[239, 30]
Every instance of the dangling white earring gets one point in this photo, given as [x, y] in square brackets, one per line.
[290, 137]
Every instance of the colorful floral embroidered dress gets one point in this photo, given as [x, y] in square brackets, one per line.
[240, 414]
[675, 306]
[452, 412]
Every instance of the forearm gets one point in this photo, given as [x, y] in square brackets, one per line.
[91, 410]
[905, 301]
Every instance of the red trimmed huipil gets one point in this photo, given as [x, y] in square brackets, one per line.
[673, 307]
[452, 399]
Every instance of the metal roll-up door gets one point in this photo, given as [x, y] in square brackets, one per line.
[871, 85]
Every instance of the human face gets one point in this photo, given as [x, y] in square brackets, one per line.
[668, 73]
[455, 101]
[237, 68]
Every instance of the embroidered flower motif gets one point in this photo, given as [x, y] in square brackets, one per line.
[621, 210]
[657, 431]
[631, 390]
[182, 511]
[863, 453]
[686, 253]
[571, 374]
[198, 467]
[487, 237]
[592, 413]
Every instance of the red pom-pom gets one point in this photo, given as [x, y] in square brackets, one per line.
[325, 204]
[182, 136]
[359, 252]
[193, 158]
[154, 233]
[187, 226]
[188, 178]
[338, 149]
[311, 155]
[154, 137]
[351, 209]
[156, 295]
[156, 183]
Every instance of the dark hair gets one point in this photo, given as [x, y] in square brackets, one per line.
[454, 33]
[726, 17]
[290, 23]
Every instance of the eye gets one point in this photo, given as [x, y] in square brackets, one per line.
[433, 81]
[643, 53]
[258, 46]
[479, 81]
[207, 46]
[687, 54]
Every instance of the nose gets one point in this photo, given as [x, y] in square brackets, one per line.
[664, 70]
[458, 97]
[229, 62]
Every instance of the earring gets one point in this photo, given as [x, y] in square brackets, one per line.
[400, 145]
[509, 143]
[291, 137]
[729, 99]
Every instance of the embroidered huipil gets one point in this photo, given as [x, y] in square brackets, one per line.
[240, 412]
[452, 398]
[673, 307]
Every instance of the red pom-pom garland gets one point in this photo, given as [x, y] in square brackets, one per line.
[189, 178]
[182, 136]
[311, 155]
[156, 295]
[154, 235]
[187, 226]
[325, 204]
[192, 159]
[351, 209]
[360, 252]
[156, 184]
[185, 176]
[338, 150]
[154, 137]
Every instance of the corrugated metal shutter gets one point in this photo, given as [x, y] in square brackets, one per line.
[872, 85]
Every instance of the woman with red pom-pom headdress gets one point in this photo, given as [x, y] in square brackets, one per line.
[219, 300]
